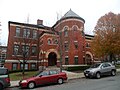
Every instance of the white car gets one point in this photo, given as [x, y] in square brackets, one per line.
[100, 69]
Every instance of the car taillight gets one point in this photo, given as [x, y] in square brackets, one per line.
[7, 80]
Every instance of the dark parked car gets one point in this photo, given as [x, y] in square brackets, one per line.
[4, 78]
[100, 69]
[45, 77]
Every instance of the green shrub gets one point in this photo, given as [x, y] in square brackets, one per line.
[15, 71]
[76, 68]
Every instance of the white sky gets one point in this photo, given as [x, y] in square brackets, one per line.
[19, 10]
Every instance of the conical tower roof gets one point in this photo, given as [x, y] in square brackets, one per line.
[71, 14]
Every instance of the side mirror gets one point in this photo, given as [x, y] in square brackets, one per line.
[40, 75]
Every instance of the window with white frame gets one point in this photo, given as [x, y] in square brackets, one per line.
[76, 60]
[16, 49]
[87, 45]
[76, 44]
[74, 28]
[34, 34]
[66, 31]
[34, 50]
[26, 66]
[66, 46]
[66, 60]
[14, 66]
[17, 32]
[49, 41]
[33, 66]
[26, 33]
[25, 50]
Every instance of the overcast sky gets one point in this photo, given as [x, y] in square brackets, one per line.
[19, 10]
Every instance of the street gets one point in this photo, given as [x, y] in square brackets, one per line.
[105, 83]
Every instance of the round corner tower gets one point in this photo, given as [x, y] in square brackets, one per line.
[72, 38]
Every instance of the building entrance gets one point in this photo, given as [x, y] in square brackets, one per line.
[88, 59]
[52, 59]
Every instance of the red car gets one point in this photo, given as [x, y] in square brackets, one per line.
[45, 77]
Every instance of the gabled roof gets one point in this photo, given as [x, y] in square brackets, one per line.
[30, 25]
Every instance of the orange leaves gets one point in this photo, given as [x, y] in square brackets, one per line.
[107, 35]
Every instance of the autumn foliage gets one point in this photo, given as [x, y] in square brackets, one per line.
[107, 36]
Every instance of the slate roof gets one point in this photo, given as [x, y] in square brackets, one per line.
[71, 14]
[68, 15]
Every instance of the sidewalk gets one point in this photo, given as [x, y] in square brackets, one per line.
[71, 75]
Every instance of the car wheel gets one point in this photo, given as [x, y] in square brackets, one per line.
[98, 75]
[60, 81]
[113, 72]
[31, 85]
[1, 86]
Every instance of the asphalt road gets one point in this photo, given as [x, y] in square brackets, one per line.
[105, 83]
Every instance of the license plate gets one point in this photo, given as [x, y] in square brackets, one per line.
[86, 74]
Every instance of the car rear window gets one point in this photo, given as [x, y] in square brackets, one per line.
[3, 71]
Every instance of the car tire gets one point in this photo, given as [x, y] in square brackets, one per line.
[60, 81]
[98, 76]
[113, 72]
[31, 85]
[1, 86]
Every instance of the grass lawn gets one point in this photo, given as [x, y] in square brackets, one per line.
[19, 76]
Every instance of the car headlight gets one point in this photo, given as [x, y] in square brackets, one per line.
[23, 81]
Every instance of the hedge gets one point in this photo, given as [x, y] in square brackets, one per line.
[76, 68]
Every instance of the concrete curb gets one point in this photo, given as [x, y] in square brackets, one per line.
[71, 76]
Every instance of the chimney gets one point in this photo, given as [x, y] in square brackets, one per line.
[39, 22]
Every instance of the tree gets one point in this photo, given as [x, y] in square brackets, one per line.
[107, 36]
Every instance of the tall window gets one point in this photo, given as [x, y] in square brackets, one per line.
[66, 46]
[26, 66]
[34, 49]
[25, 49]
[76, 44]
[33, 66]
[17, 31]
[76, 59]
[56, 41]
[16, 49]
[26, 33]
[49, 41]
[75, 28]
[34, 34]
[14, 66]
[66, 61]
[66, 31]
[87, 45]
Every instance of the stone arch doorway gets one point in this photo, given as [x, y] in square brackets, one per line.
[88, 59]
[52, 59]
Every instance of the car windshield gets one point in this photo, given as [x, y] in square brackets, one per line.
[95, 65]
[43, 73]
[3, 71]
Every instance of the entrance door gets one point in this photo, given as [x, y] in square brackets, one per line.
[52, 59]
[88, 59]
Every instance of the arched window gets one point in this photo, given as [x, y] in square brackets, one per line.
[74, 28]
[49, 41]
[65, 31]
